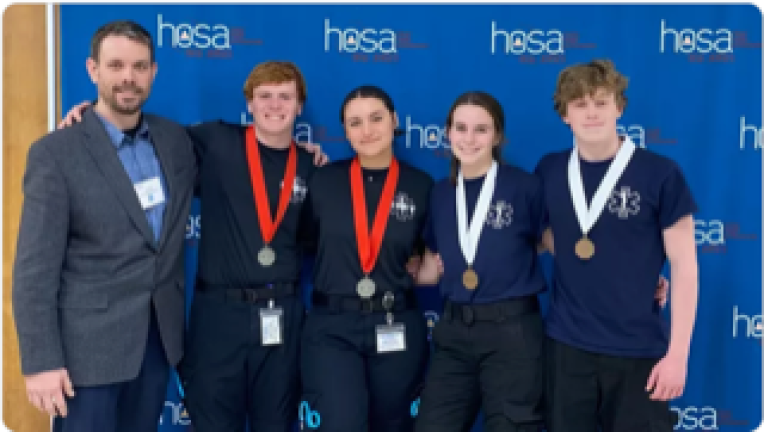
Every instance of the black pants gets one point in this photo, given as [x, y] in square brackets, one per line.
[129, 406]
[495, 364]
[229, 377]
[351, 386]
[585, 390]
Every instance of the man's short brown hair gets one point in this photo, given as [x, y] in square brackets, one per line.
[275, 72]
[129, 29]
[583, 79]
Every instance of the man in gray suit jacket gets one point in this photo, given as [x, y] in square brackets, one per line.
[98, 289]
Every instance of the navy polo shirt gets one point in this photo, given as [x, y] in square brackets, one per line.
[606, 304]
[506, 261]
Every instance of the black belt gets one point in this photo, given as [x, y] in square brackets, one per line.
[339, 303]
[496, 311]
[249, 294]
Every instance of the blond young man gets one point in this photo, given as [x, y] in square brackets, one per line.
[617, 213]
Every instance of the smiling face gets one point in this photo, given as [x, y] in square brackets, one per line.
[274, 107]
[475, 129]
[590, 98]
[472, 135]
[593, 118]
[369, 126]
[123, 72]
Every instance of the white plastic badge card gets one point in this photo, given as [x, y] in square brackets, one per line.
[391, 338]
[149, 192]
[271, 326]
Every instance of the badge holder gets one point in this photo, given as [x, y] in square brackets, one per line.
[391, 337]
[271, 325]
[149, 192]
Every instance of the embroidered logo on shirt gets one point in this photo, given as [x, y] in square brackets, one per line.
[403, 207]
[499, 215]
[299, 190]
[624, 202]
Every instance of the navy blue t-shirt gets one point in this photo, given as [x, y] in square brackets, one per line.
[606, 304]
[506, 261]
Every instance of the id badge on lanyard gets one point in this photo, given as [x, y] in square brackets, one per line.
[271, 325]
[391, 337]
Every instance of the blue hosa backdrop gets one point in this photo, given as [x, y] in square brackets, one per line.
[694, 95]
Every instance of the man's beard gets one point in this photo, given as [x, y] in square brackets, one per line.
[112, 101]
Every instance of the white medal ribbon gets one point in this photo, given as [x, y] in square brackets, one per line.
[469, 236]
[588, 217]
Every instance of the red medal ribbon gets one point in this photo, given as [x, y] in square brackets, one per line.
[368, 248]
[267, 225]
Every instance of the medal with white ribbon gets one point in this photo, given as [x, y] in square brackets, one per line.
[469, 236]
[588, 217]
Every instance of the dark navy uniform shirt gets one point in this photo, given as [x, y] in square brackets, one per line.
[231, 236]
[338, 268]
[606, 304]
[506, 261]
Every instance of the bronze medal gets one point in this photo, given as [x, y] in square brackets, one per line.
[470, 279]
[585, 248]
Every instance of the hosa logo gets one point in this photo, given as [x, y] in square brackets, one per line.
[756, 134]
[367, 44]
[201, 39]
[706, 418]
[642, 137]
[431, 137]
[748, 326]
[705, 44]
[696, 418]
[174, 414]
[711, 235]
[549, 46]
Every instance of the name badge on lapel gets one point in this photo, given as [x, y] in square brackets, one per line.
[149, 192]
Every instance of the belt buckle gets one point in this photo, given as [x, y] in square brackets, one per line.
[468, 315]
[250, 296]
[367, 305]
